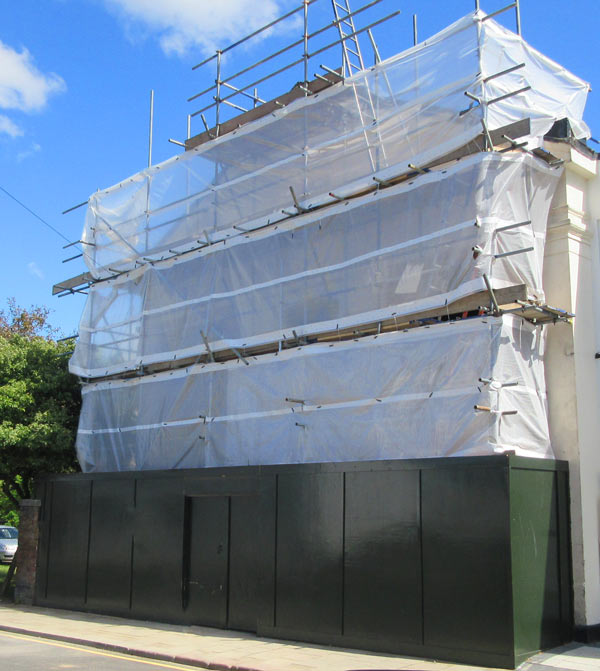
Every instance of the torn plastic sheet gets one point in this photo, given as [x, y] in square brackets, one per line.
[398, 251]
[407, 109]
[398, 395]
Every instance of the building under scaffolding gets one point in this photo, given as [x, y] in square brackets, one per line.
[352, 272]
[216, 270]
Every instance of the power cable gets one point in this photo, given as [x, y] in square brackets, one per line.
[37, 216]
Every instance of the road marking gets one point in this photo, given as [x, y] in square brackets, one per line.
[81, 648]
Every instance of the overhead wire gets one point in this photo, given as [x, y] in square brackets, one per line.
[37, 216]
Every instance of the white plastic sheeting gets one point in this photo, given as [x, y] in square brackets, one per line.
[566, 94]
[397, 251]
[398, 395]
[404, 110]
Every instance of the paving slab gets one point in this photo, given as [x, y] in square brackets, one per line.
[236, 651]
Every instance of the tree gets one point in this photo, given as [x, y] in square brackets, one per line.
[29, 323]
[8, 514]
[39, 402]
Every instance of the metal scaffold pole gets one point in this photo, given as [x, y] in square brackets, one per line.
[151, 124]
[305, 37]
[218, 92]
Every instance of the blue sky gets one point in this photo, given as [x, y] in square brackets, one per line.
[75, 77]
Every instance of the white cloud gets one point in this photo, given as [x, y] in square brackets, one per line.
[22, 86]
[201, 24]
[34, 270]
[9, 127]
[26, 153]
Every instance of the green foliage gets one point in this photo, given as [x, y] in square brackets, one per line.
[8, 514]
[39, 402]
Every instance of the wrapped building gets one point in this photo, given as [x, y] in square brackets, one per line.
[313, 354]
[309, 221]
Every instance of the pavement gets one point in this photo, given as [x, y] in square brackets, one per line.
[236, 651]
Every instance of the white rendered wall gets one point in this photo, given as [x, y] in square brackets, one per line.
[572, 281]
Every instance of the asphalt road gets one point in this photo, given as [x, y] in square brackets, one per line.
[29, 653]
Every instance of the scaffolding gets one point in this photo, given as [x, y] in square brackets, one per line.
[350, 271]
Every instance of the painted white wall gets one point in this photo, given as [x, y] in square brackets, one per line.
[572, 282]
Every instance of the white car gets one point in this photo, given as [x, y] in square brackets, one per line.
[9, 539]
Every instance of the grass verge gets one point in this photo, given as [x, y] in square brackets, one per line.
[3, 572]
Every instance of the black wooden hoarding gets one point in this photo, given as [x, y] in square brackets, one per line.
[459, 559]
